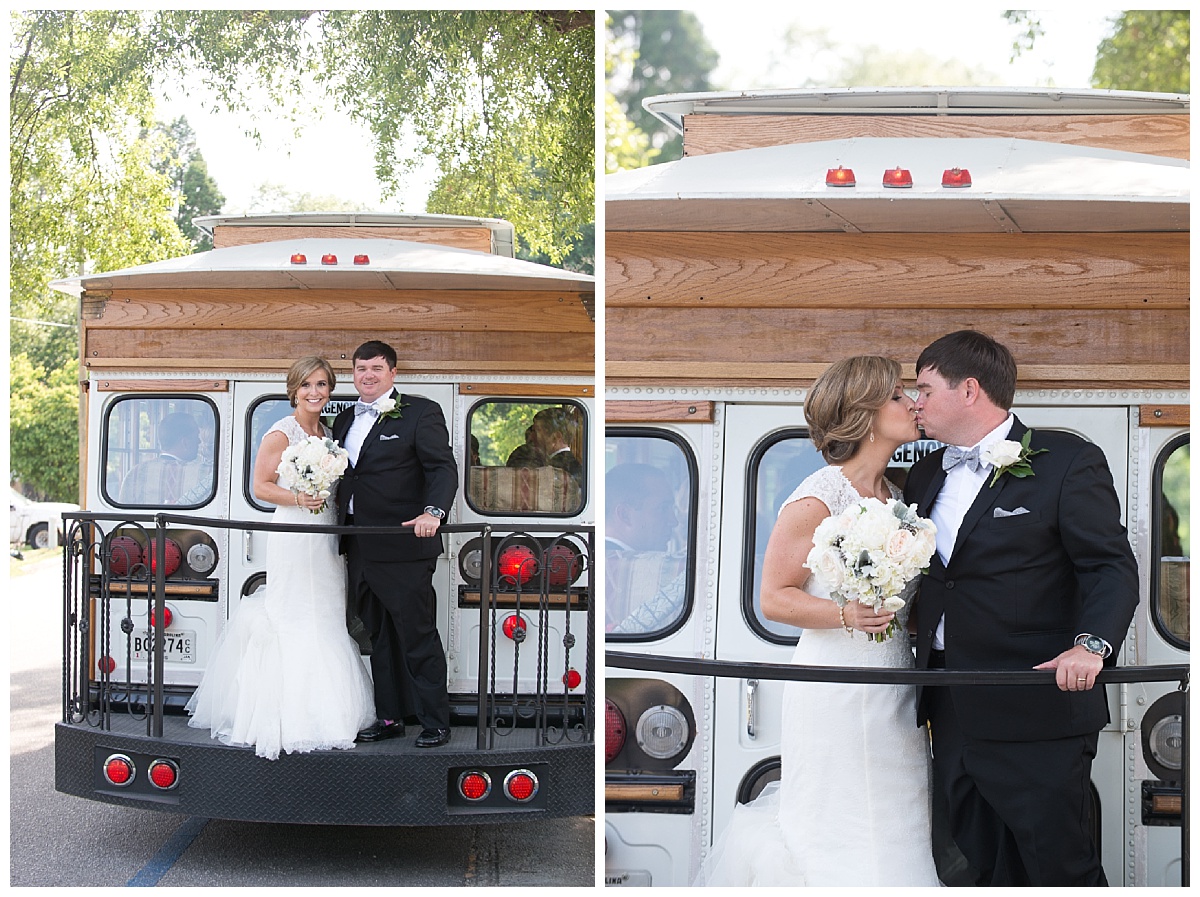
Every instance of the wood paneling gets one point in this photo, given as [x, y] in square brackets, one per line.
[1018, 271]
[1164, 416]
[477, 238]
[617, 411]
[1160, 135]
[450, 310]
[525, 389]
[162, 385]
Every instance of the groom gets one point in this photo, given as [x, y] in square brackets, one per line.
[1031, 572]
[402, 472]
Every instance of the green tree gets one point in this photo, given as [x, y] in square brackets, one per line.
[1149, 49]
[196, 193]
[43, 428]
[625, 144]
[670, 54]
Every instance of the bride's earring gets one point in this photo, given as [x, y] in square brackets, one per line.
[872, 435]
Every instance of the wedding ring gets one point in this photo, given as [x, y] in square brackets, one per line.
[1081, 679]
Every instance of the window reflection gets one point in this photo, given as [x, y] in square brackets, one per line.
[160, 452]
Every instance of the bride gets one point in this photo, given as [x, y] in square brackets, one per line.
[853, 804]
[285, 674]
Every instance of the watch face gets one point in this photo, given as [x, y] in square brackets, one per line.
[1095, 644]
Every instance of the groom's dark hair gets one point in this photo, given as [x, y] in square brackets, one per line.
[969, 353]
[375, 349]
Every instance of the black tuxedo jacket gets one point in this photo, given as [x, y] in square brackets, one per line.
[1020, 586]
[405, 465]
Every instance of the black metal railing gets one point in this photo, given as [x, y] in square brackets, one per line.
[99, 564]
[733, 669]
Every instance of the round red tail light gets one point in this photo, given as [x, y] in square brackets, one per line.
[164, 774]
[514, 628]
[517, 564]
[474, 784]
[166, 618]
[572, 679]
[106, 664]
[119, 769]
[171, 551]
[521, 785]
[614, 731]
[563, 565]
[124, 553]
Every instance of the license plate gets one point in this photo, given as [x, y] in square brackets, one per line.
[632, 878]
[178, 646]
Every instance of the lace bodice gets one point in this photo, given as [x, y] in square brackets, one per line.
[290, 427]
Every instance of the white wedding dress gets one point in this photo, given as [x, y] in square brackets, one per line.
[285, 675]
[852, 807]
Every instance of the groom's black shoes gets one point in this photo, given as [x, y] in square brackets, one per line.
[380, 731]
[433, 737]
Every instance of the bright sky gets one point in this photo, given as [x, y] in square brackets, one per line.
[976, 35]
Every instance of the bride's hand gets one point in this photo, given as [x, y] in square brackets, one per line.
[865, 619]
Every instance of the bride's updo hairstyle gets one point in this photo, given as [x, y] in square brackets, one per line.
[304, 368]
[842, 403]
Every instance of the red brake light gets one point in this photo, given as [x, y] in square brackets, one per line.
[298, 258]
[517, 564]
[164, 774]
[125, 553]
[119, 769]
[839, 177]
[166, 618]
[106, 664]
[474, 785]
[572, 678]
[521, 785]
[563, 565]
[897, 177]
[329, 259]
[514, 628]
[614, 731]
[956, 177]
[171, 552]
[361, 260]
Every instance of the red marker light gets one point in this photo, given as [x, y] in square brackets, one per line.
[119, 769]
[163, 774]
[512, 625]
[474, 785]
[572, 679]
[521, 785]
[614, 731]
[361, 260]
[106, 664]
[956, 177]
[166, 617]
[517, 564]
[298, 258]
[329, 259]
[839, 177]
[897, 177]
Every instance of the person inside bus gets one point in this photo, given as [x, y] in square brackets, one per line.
[853, 805]
[1033, 570]
[402, 473]
[645, 584]
[528, 453]
[554, 431]
[163, 479]
[285, 675]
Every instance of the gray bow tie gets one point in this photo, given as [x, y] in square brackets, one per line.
[955, 456]
[361, 408]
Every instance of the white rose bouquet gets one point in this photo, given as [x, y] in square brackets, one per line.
[312, 466]
[870, 552]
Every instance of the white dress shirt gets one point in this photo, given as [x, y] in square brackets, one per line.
[958, 492]
[357, 435]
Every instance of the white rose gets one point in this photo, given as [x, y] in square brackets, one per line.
[899, 544]
[1003, 454]
[893, 604]
[386, 406]
[826, 565]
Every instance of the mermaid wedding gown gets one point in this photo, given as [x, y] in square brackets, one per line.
[853, 804]
[285, 675]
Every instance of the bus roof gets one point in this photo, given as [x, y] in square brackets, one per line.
[393, 264]
[671, 108]
[1017, 186]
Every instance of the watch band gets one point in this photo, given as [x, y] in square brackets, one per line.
[435, 512]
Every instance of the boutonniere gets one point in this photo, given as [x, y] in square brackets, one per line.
[390, 408]
[1007, 456]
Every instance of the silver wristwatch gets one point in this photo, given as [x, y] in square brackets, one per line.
[435, 512]
[1093, 644]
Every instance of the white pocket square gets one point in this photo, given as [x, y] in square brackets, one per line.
[1016, 512]
[383, 436]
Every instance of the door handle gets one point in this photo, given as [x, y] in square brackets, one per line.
[247, 545]
[751, 707]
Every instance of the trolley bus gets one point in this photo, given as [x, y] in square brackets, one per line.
[803, 226]
[150, 578]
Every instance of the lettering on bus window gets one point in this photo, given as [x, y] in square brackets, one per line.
[526, 457]
[649, 517]
[159, 452]
[1172, 549]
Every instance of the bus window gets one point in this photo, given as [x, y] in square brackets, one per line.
[159, 452]
[777, 467]
[1172, 543]
[650, 487]
[527, 457]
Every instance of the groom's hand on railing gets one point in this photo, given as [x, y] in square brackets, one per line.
[1075, 669]
[424, 525]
